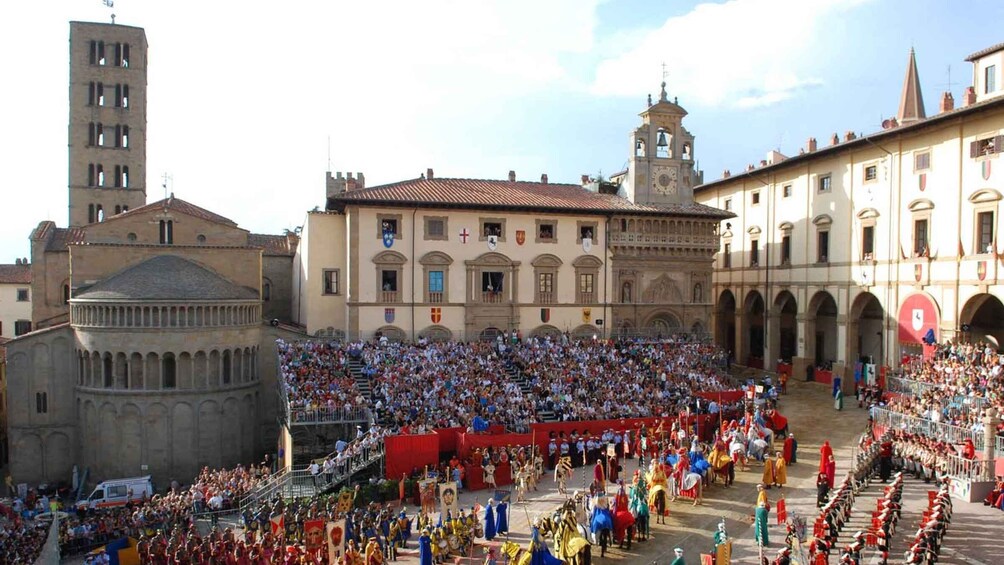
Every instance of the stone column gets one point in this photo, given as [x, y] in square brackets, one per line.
[990, 423]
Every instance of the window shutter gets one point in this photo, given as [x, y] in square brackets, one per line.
[974, 150]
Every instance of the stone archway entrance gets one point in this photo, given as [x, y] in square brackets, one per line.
[725, 322]
[753, 329]
[490, 333]
[784, 328]
[822, 329]
[865, 337]
[982, 319]
[663, 325]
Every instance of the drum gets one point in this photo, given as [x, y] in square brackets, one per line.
[443, 545]
[479, 532]
[454, 542]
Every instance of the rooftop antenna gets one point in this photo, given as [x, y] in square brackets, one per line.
[168, 179]
[110, 4]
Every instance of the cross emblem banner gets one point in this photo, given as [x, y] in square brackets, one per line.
[464, 234]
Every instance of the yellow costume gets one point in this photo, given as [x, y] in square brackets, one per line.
[768, 472]
[373, 554]
[656, 482]
[761, 499]
[780, 471]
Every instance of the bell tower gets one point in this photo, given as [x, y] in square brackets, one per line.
[661, 168]
[107, 126]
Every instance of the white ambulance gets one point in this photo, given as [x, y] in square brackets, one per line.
[118, 492]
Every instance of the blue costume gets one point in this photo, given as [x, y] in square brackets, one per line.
[602, 519]
[502, 518]
[489, 523]
[425, 549]
[539, 554]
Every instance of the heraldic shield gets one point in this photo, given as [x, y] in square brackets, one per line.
[436, 315]
[545, 315]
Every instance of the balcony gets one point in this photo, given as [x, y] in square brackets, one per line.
[492, 297]
[587, 298]
[659, 239]
[388, 296]
[545, 298]
[436, 297]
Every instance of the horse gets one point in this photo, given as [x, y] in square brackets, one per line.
[658, 498]
[570, 543]
[601, 524]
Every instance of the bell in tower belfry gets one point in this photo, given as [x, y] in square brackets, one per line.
[666, 176]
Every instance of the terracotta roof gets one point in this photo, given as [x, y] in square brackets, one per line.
[15, 274]
[57, 239]
[273, 244]
[501, 195]
[985, 52]
[864, 141]
[181, 206]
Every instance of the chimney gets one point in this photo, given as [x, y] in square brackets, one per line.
[726, 174]
[512, 176]
[543, 178]
[585, 180]
[428, 173]
[17, 260]
[835, 140]
[849, 135]
[969, 97]
[750, 167]
[763, 162]
[810, 146]
[947, 103]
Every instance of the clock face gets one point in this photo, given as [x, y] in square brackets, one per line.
[664, 180]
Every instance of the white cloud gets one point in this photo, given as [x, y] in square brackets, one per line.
[743, 53]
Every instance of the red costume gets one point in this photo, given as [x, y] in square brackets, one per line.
[827, 464]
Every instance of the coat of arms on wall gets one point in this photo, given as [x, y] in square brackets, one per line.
[388, 315]
[436, 314]
[520, 237]
[545, 315]
[981, 269]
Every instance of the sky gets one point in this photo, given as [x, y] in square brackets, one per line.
[249, 102]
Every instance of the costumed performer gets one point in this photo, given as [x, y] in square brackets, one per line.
[489, 521]
[502, 518]
[760, 521]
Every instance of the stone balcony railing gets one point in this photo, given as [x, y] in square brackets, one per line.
[663, 239]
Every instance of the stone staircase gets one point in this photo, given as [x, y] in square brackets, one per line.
[516, 376]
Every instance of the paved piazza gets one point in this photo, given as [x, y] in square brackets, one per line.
[972, 538]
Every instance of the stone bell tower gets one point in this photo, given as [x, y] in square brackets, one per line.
[661, 168]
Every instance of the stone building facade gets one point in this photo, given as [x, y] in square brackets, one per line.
[447, 258]
[153, 350]
[833, 256]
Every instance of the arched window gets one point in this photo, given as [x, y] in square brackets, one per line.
[100, 213]
[266, 292]
[106, 370]
[66, 294]
[90, 214]
[167, 232]
[170, 371]
[226, 367]
[125, 176]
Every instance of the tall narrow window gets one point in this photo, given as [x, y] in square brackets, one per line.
[101, 94]
[106, 370]
[100, 213]
[587, 293]
[118, 176]
[785, 249]
[330, 281]
[125, 137]
[101, 53]
[167, 232]
[125, 176]
[41, 402]
[920, 237]
[90, 94]
[90, 174]
[100, 173]
[125, 55]
[545, 288]
[66, 294]
[125, 96]
[754, 253]
[266, 292]
[93, 52]
[90, 134]
[226, 367]
[90, 214]
[435, 286]
[868, 243]
[990, 79]
[727, 256]
[823, 246]
[985, 233]
[170, 371]
[100, 135]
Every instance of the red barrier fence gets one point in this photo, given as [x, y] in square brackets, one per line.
[404, 453]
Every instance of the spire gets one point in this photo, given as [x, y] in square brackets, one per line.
[911, 102]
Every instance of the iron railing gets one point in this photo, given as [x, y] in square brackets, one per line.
[968, 469]
[944, 432]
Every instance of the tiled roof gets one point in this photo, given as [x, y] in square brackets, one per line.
[147, 281]
[500, 194]
[15, 274]
[181, 206]
[57, 239]
[985, 52]
[273, 244]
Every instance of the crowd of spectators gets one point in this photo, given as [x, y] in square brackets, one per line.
[316, 378]
[418, 387]
[601, 380]
[958, 385]
[21, 537]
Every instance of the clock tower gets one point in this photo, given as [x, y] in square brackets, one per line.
[661, 168]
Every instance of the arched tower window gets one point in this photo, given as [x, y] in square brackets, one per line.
[639, 147]
[167, 232]
[664, 144]
[170, 371]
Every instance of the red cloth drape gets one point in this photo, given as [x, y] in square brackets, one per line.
[407, 452]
